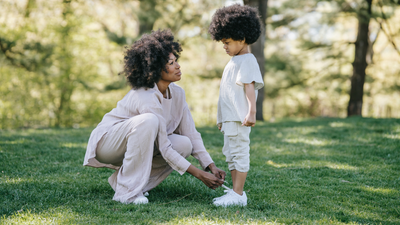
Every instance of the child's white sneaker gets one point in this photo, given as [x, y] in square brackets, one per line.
[226, 191]
[232, 198]
[141, 200]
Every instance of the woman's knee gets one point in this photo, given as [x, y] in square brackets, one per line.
[181, 144]
[142, 127]
[150, 120]
[146, 122]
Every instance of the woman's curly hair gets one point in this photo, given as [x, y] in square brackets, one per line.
[237, 22]
[148, 56]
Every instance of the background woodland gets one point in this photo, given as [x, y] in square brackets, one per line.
[60, 59]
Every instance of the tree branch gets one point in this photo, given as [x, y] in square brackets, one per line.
[388, 34]
[5, 47]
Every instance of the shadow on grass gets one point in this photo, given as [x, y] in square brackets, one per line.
[325, 170]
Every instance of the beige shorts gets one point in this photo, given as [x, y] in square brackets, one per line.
[236, 146]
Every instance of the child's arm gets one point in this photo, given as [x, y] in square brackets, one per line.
[250, 119]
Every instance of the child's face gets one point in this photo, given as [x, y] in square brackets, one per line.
[233, 47]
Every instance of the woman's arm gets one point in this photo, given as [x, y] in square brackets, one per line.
[188, 129]
[250, 119]
[150, 103]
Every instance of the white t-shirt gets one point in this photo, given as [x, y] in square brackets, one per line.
[232, 102]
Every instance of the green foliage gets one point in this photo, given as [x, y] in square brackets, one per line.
[32, 56]
[63, 70]
[303, 171]
[59, 60]
[49, 67]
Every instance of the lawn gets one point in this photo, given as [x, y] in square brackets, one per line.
[305, 171]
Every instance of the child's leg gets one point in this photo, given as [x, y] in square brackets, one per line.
[241, 158]
[238, 181]
[236, 149]
[227, 152]
[233, 175]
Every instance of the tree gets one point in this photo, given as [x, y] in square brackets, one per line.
[48, 67]
[362, 45]
[155, 14]
[258, 50]
[364, 51]
[56, 72]
[325, 37]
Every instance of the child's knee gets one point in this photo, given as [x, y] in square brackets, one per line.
[242, 168]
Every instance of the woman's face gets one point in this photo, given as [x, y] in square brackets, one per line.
[173, 70]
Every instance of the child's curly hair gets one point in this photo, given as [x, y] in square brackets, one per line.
[237, 22]
[147, 57]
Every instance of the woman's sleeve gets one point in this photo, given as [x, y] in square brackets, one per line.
[172, 157]
[187, 128]
[250, 72]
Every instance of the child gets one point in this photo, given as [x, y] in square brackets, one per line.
[237, 27]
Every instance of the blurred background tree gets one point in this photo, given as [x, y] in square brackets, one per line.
[327, 56]
[60, 59]
[258, 50]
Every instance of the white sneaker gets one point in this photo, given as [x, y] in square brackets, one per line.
[146, 194]
[226, 191]
[232, 198]
[141, 200]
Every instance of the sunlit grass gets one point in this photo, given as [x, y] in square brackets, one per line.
[204, 220]
[73, 145]
[314, 163]
[6, 179]
[392, 136]
[310, 142]
[381, 190]
[59, 215]
[303, 171]
[340, 124]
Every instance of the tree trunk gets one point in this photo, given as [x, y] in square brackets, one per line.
[360, 62]
[29, 6]
[147, 16]
[258, 50]
[63, 110]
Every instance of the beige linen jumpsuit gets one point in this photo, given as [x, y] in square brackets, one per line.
[144, 138]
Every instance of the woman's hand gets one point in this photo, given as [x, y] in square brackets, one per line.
[207, 178]
[216, 171]
[210, 180]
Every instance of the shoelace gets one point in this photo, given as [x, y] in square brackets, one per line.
[227, 191]
[225, 186]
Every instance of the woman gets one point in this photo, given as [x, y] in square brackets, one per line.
[151, 131]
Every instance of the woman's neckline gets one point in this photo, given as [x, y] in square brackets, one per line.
[168, 94]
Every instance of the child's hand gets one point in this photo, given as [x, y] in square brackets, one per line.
[249, 120]
[219, 126]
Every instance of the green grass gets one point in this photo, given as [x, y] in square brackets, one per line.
[311, 171]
